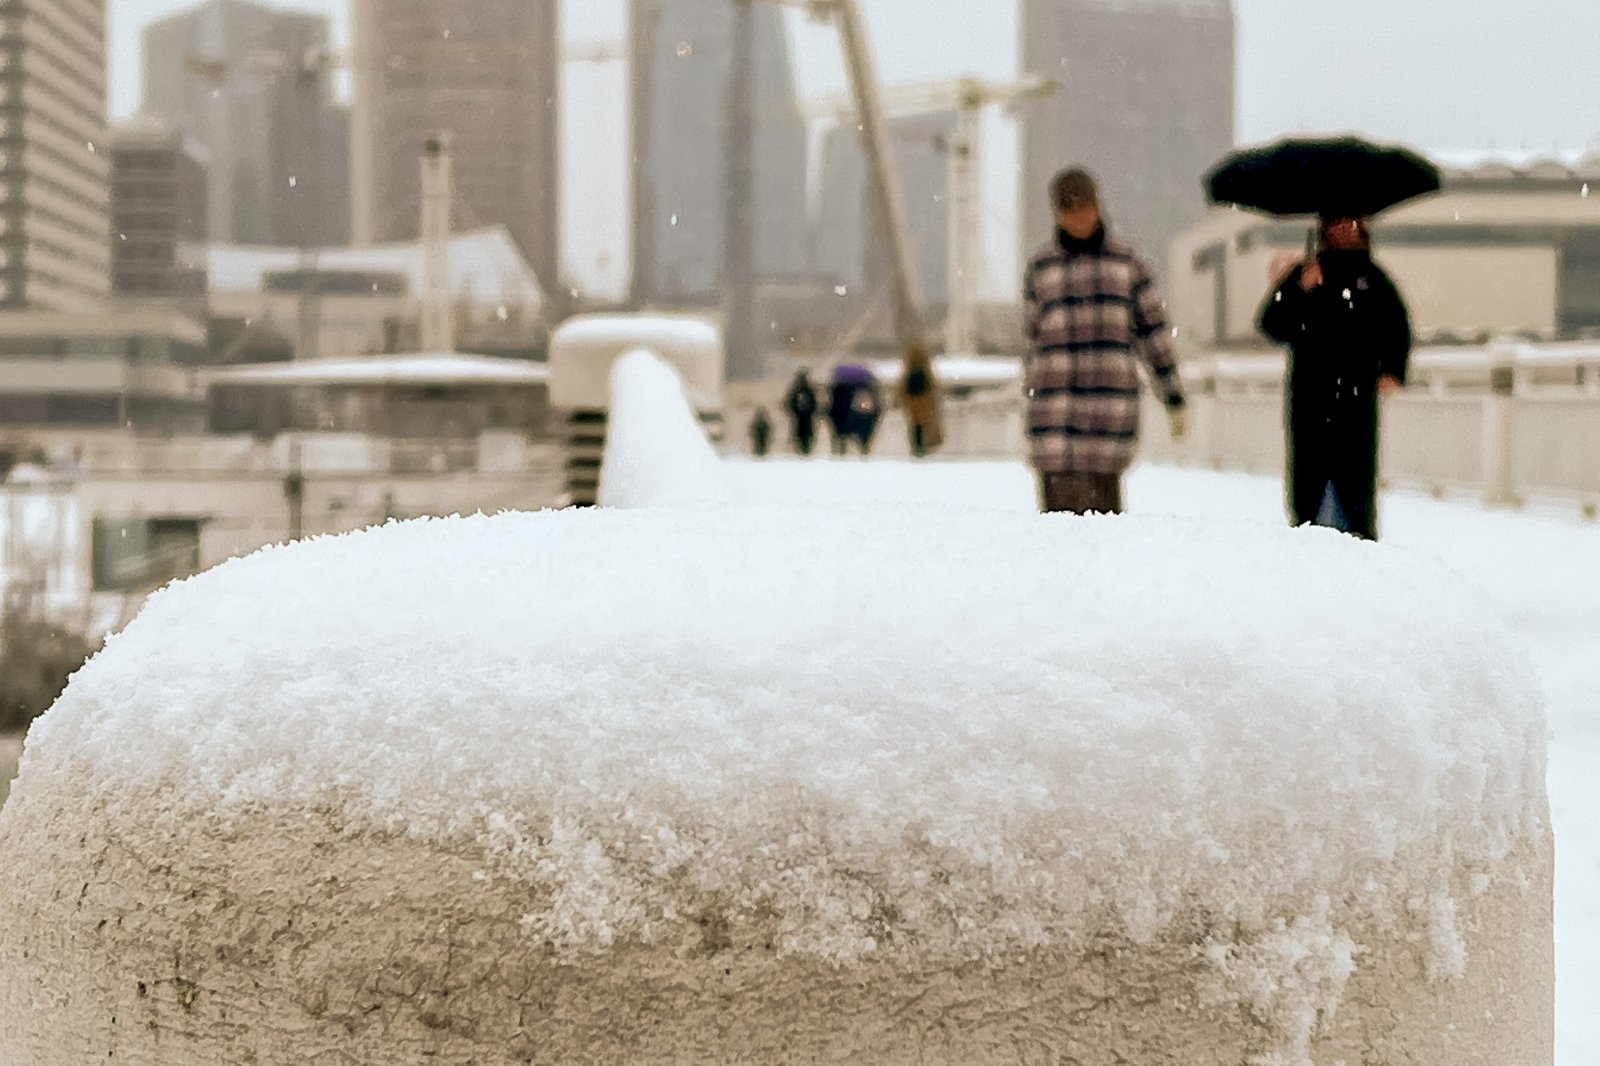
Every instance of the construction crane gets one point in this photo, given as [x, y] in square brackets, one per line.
[967, 96]
[867, 96]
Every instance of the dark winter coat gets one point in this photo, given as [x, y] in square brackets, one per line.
[801, 402]
[1093, 313]
[919, 397]
[760, 433]
[1343, 336]
[854, 410]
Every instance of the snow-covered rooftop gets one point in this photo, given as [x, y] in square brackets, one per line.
[485, 265]
[1552, 163]
[445, 368]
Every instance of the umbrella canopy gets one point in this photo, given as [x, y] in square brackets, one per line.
[852, 374]
[1343, 177]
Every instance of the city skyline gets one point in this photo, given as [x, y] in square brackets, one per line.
[1295, 62]
[1467, 76]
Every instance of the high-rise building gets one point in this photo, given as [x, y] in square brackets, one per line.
[159, 227]
[55, 250]
[253, 86]
[847, 240]
[681, 57]
[1146, 104]
[483, 73]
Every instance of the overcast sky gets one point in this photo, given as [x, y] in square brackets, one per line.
[1441, 74]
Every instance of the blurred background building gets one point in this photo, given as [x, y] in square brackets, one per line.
[485, 75]
[680, 78]
[159, 214]
[1146, 103]
[55, 250]
[253, 85]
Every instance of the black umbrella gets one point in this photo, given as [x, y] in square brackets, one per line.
[1341, 178]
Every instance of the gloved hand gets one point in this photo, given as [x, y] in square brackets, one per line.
[1178, 423]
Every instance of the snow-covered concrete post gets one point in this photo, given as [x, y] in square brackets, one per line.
[582, 353]
[688, 785]
[1499, 422]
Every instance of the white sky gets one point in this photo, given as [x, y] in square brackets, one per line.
[1441, 74]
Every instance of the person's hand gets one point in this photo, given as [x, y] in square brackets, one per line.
[1388, 385]
[1178, 423]
[1310, 275]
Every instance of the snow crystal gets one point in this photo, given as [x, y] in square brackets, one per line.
[856, 731]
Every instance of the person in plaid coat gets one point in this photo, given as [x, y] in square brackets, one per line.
[1093, 314]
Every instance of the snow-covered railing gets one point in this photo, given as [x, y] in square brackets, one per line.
[1533, 367]
[332, 454]
[1508, 422]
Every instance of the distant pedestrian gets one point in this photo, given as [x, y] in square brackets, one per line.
[854, 406]
[801, 403]
[760, 433]
[1349, 338]
[1092, 313]
[919, 399]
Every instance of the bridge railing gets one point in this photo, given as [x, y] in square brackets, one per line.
[1507, 421]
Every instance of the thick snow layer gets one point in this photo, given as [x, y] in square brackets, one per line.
[856, 731]
[1541, 575]
[632, 331]
[656, 452]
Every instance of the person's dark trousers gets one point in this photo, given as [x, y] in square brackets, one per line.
[1080, 492]
[1348, 461]
[919, 448]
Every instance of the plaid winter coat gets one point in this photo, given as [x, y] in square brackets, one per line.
[1092, 313]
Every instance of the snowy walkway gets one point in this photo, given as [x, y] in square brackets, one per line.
[1541, 572]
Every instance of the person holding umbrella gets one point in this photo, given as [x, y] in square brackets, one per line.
[1349, 339]
[1340, 315]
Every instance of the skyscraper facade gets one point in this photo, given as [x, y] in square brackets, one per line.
[158, 213]
[55, 250]
[1146, 103]
[681, 60]
[485, 74]
[253, 86]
